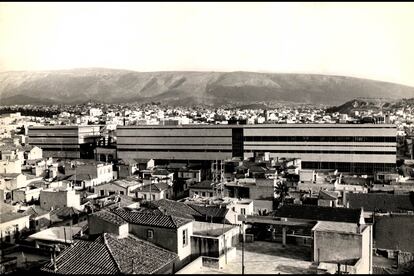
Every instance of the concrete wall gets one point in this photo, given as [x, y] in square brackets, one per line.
[388, 236]
[10, 166]
[26, 194]
[35, 153]
[9, 228]
[333, 246]
[56, 199]
[163, 237]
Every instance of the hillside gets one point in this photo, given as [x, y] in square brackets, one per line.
[374, 104]
[186, 88]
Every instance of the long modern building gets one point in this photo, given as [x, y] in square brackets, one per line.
[357, 148]
[65, 141]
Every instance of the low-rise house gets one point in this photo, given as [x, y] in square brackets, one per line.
[110, 254]
[342, 246]
[154, 191]
[170, 232]
[164, 175]
[13, 181]
[106, 221]
[119, 186]
[39, 218]
[27, 194]
[204, 188]
[12, 224]
[89, 173]
[328, 198]
[53, 198]
[32, 152]
[10, 166]
[192, 175]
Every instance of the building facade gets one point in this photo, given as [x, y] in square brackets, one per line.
[65, 141]
[356, 148]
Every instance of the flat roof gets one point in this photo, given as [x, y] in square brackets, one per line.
[333, 226]
[57, 234]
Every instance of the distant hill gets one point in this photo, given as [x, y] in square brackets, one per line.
[374, 104]
[187, 88]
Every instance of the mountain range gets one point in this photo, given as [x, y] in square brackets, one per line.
[187, 88]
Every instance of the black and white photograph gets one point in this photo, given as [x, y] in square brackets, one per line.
[206, 138]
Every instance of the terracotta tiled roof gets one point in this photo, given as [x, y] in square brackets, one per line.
[155, 187]
[109, 254]
[175, 208]
[209, 211]
[150, 218]
[110, 217]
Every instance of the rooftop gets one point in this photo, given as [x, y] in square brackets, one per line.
[109, 254]
[333, 226]
[58, 234]
[381, 202]
[11, 216]
[109, 217]
[156, 219]
[319, 213]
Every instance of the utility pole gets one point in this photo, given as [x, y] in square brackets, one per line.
[243, 247]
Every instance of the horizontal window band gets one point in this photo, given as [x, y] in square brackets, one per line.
[176, 150]
[324, 145]
[326, 152]
[174, 136]
[172, 145]
[320, 138]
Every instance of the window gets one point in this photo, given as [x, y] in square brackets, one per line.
[145, 196]
[121, 192]
[185, 237]
[150, 233]
[203, 193]
[243, 211]
[153, 197]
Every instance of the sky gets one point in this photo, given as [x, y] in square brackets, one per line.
[367, 40]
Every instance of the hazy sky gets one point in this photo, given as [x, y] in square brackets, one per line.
[368, 40]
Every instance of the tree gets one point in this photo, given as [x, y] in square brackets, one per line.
[282, 191]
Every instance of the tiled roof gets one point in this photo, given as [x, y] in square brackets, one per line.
[381, 202]
[328, 195]
[155, 187]
[109, 254]
[150, 218]
[64, 212]
[35, 211]
[320, 213]
[85, 257]
[109, 217]
[175, 208]
[209, 211]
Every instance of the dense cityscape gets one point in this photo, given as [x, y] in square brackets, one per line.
[88, 175]
[206, 138]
